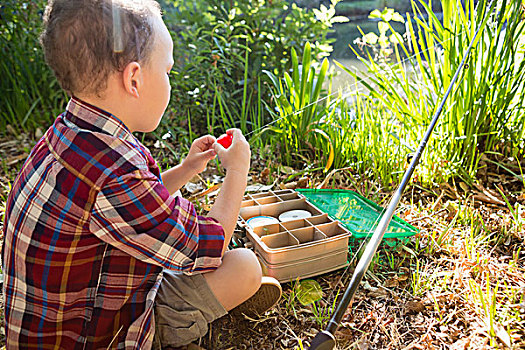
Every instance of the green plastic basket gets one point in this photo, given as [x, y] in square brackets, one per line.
[358, 214]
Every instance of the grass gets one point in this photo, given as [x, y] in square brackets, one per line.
[465, 277]
[366, 140]
[375, 131]
[460, 279]
[470, 267]
[486, 107]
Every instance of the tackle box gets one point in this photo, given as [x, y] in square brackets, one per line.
[297, 248]
[355, 212]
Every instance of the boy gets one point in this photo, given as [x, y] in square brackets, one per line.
[95, 242]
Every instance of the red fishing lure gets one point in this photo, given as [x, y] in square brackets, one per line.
[225, 140]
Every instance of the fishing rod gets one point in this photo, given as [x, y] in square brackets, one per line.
[325, 340]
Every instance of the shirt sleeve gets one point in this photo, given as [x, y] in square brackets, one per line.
[136, 214]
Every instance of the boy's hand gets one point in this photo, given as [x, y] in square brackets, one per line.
[237, 156]
[201, 152]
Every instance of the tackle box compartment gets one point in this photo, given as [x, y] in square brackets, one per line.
[296, 248]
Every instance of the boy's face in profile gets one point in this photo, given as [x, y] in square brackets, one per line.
[155, 92]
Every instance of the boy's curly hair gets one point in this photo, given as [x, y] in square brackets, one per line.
[86, 40]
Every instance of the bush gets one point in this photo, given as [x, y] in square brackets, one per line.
[221, 47]
[31, 95]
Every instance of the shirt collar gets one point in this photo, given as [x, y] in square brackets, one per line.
[88, 117]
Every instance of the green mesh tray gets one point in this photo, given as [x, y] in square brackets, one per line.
[358, 214]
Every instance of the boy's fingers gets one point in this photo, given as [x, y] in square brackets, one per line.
[205, 141]
[209, 138]
[217, 147]
[210, 154]
[236, 133]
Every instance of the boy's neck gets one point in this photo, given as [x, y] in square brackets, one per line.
[112, 102]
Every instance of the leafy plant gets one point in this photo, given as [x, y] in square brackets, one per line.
[213, 40]
[4, 191]
[308, 291]
[382, 45]
[323, 312]
[301, 108]
[248, 116]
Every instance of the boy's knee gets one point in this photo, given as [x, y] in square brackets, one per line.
[247, 267]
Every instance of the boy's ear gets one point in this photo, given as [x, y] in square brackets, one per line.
[132, 78]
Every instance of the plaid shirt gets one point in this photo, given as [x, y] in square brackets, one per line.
[89, 228]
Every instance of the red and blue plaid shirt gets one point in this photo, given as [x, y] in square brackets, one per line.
[89, 228]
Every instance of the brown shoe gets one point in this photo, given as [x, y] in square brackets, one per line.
[263, 300]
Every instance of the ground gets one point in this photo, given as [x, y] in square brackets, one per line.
[458, 284]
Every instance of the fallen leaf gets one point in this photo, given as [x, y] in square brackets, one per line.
[193, 187]
[391, 282]
[344, 334]
[263, 176]
[286, 342]
[363, 344]
[481, 197]
[286, 169]
[290, 185]
[414, 307]
[408, 250]
[374, 291]
[367, 286]
[461, 344]
[311, 333]
[486, 195]
[308, 291]
[402, 277]
[451, 208]
[303, 182]
[38, 133]
[15, 159]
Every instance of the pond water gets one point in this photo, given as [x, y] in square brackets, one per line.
[344, 81]
[345, 35]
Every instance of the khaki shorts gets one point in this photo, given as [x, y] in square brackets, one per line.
[184, 307]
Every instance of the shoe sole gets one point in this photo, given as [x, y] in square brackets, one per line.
[263, 300]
